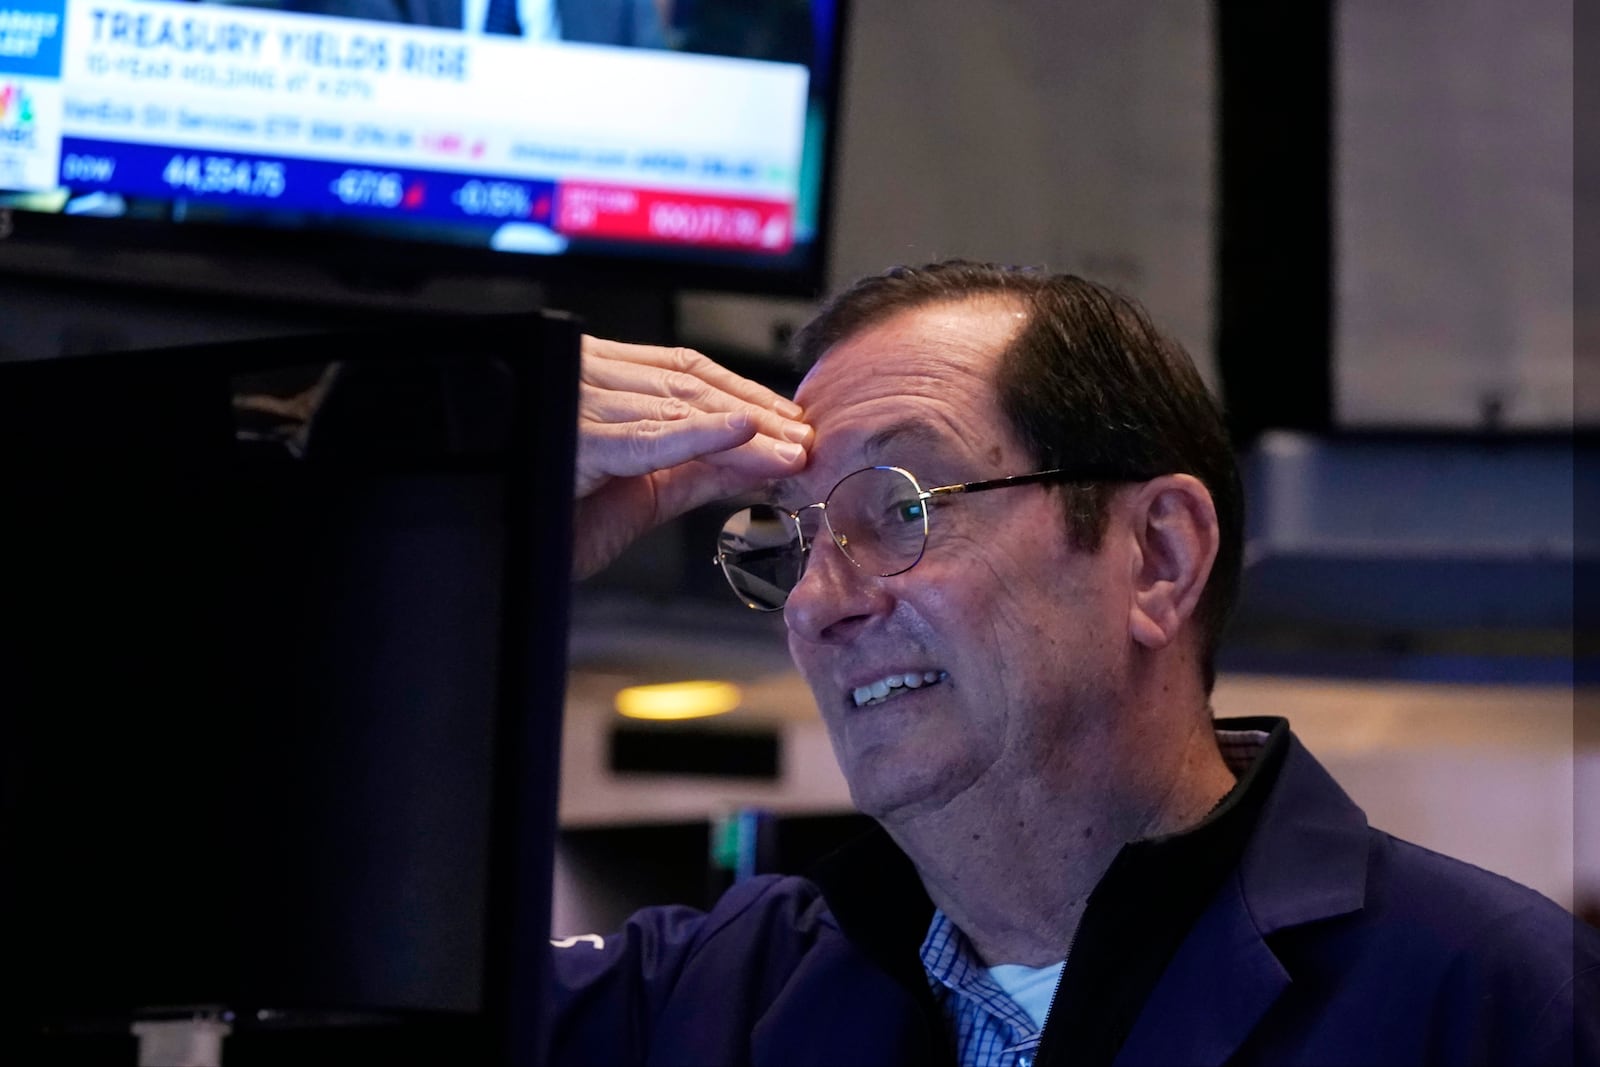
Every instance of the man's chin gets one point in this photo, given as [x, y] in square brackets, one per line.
[893, 794]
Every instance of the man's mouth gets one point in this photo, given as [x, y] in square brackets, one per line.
[892, 685]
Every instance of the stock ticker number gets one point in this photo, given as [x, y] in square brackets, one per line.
[369, 188]
[224, 174]
[493, 199]
[705, 223]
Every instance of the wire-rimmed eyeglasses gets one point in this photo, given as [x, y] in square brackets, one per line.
[878, 516]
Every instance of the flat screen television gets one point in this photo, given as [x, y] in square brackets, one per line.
[680, 143]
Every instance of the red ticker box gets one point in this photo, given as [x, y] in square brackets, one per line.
[622, 213]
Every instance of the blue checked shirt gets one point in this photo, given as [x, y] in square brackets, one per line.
[991, 1029]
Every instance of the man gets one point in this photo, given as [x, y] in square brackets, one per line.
[1076, 864]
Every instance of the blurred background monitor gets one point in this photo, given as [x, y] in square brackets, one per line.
[670, 142]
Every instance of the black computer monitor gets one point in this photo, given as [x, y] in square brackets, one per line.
[282, 658]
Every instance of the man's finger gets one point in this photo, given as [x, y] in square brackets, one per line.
[653, 380]
[688, 361]
[620, 450]
[624, 405]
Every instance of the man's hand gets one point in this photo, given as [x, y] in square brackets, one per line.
[663, 430]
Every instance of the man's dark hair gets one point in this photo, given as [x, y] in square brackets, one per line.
[1089, 379]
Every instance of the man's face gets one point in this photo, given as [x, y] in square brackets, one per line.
[1025, 635]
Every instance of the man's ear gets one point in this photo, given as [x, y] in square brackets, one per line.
[1174, 525]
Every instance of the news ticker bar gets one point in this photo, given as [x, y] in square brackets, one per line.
[573, 209]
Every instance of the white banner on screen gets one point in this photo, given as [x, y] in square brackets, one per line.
[222, 78]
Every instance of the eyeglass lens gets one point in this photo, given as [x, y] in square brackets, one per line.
[875, 516]
[760, 551]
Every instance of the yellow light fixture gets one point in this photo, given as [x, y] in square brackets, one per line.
[678, 700]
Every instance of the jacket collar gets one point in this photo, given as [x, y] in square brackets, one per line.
[1147, 902]
[1306, 862]
[879, 902]
[1308, 858]
[874, 892]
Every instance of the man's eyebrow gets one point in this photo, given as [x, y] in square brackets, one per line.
[900, 433]
[895, 436]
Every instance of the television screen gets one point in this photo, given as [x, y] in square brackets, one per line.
[525, 136]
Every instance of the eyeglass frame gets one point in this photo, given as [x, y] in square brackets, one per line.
[1086, 474]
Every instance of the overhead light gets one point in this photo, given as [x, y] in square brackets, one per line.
[678, 700]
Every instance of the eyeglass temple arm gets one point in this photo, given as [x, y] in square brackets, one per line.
[1059, 474]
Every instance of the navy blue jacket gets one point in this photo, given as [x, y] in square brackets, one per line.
[1329, 943]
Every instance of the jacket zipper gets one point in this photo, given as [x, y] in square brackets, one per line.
[1050, 1010]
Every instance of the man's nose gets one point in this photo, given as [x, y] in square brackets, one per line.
[834, 598]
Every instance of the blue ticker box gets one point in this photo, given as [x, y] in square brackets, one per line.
[284, 184]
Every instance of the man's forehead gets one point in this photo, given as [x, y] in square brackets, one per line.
[897, 443]
[969, 327]
[944, 354]
[925, 350]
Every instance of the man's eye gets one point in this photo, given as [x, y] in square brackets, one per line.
[908, 511]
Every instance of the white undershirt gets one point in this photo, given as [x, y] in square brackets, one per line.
[1031, 987]
[539, 18]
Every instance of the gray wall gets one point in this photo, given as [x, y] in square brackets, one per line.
[1454, 186]
[1078, 136]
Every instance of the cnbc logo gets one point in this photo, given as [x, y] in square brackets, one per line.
[16, 106]
[16, 116]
